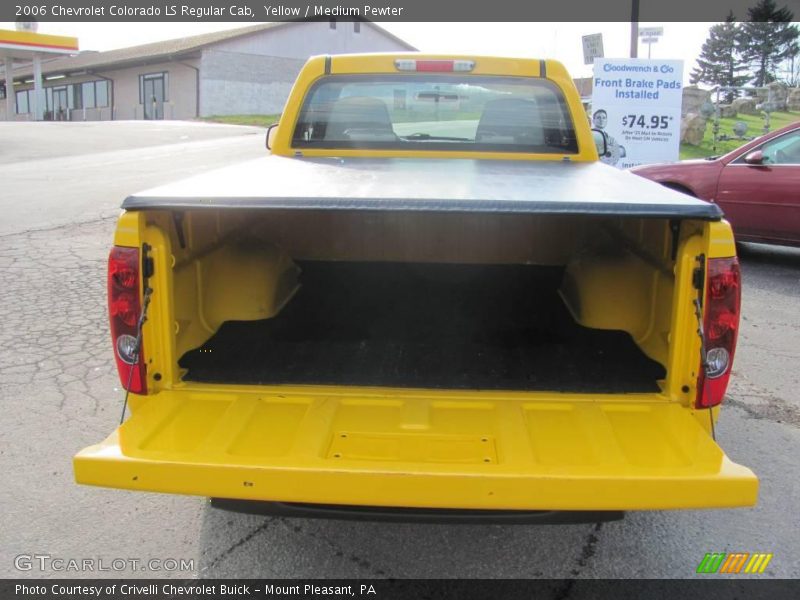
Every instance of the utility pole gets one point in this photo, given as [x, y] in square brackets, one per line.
[634, 28]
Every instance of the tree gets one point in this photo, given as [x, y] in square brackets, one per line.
[792, 69]
[720, 62]
[768, 39]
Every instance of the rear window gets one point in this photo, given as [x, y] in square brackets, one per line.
[436, 112]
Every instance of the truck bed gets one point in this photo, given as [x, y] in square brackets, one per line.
[491, 327]
[437, 185]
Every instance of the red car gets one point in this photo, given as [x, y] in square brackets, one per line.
[757, 185]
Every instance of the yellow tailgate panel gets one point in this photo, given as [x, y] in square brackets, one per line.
[420, 449]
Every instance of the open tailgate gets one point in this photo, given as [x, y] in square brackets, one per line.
[420, 449]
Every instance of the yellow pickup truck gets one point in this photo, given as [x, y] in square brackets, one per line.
[429, 299]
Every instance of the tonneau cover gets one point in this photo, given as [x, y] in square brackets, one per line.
[436, 185]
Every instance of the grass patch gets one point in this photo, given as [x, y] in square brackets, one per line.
[755, 127]
[255, 120]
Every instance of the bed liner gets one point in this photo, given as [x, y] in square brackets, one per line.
[431, 326]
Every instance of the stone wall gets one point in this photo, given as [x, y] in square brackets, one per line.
[693, 99]
[793, 99]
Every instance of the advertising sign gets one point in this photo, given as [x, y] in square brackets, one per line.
[637, 102]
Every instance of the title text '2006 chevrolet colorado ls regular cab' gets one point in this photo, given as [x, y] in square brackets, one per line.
[430, 295]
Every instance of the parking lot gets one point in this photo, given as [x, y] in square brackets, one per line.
[59, 392]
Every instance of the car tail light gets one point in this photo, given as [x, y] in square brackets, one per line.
[721, 325]
[124, 308]
[434, 66]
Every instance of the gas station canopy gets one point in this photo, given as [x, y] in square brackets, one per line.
[28, 46]
[22, 45]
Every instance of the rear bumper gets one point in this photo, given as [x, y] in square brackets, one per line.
[416, 515]
[420, 449]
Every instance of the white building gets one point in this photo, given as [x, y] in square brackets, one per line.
[241, 71]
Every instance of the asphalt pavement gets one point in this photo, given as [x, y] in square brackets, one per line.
[59, 392]
[60, 173]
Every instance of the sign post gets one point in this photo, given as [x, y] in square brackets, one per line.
[650, 36]
[637, 102]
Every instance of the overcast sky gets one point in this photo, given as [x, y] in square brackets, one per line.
[561, 41]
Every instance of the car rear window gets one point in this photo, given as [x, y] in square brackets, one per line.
[436, 112]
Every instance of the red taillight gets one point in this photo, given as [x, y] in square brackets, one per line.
[124, 308]
[721, 325]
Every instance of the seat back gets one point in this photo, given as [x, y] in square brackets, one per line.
[510, 121]
[362, 117]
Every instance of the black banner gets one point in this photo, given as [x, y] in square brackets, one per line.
[710, 588]
[256, 11]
